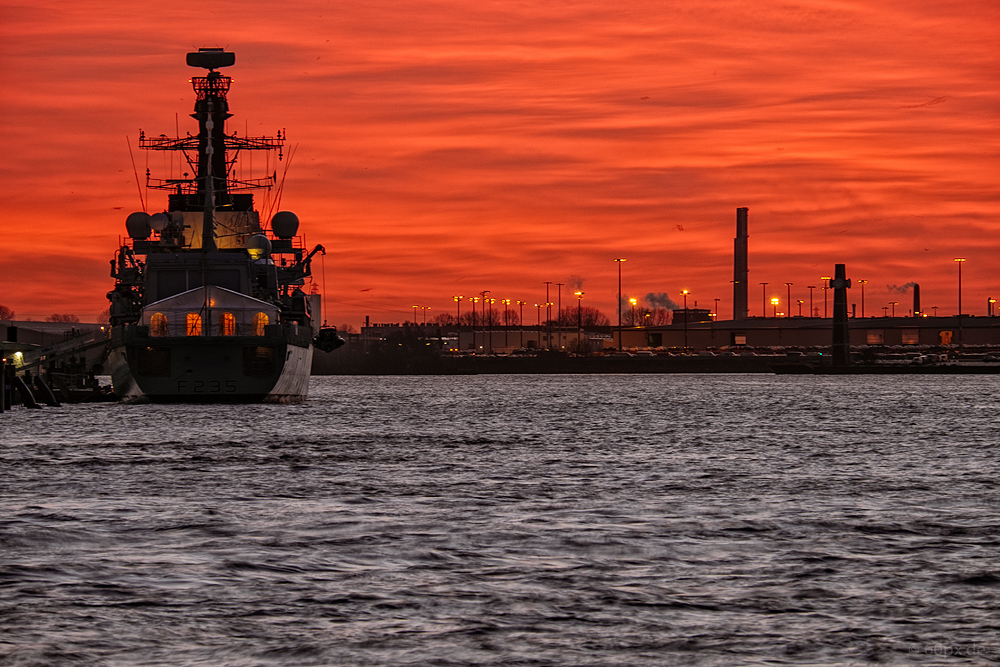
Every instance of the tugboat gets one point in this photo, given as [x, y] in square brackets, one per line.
[208, 303]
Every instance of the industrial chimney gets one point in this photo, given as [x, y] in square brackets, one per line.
[741, 270]
[916, 300]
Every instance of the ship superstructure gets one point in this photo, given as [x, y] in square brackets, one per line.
[208, 303]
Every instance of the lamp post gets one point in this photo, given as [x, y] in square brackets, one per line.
[826, 286]
[684, 293]
[789, 301]
[579, 319]
[934, 308]
[862, 283]
[415, 315]
[474, 300]
[458, 309]
[989, 306]
[763, 299]
[800, 302]
[894, 304]
[716, 313]
[774, 306]
[619, 260]
[885, 311]
[425, 309]
[520, 323]
[559, 287]
[812, 311]
[632, 302]
[538, 325]
[960, 261]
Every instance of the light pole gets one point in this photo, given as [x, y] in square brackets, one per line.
[716, 313]
[894, 304]
[789, 301]
[989, 306]
[632, 302]
[812, 312]
[826, 286]
[960, 261]
[425, 309]
[763, 299]
[559, 287]
[458, 310]
[579, 320]
[774, 306]
[862, 283]
[684, 293]
[620, 260]
[520, 323]
[474, 300]
[415, 315]
[506, 319]
[934, 308]
[538, 325]
[800, 302]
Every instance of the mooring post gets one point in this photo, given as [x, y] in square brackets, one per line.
[841, 333]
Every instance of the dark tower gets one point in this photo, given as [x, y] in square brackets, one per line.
[741, 270]
[916, 300]
[841, 339]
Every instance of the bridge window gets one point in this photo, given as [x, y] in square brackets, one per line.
[227, 324]
[193, 324]
[158, 325]
[260, 321]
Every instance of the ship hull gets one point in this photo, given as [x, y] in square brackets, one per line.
[211, 369]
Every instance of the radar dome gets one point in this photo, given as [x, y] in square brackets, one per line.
[159, 221]
[285, 224]
[258, 246]
[137, 225]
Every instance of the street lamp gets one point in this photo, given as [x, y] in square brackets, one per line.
[684, 293]
[506, 319]
[960, 261]
[763, 299]
[894, 304]
[789, 301]
[774, 306]
[716, 313]
[633, 301]
[826, 286]
[989, 306]
[520, 323]
[862, 283]
[579, 319]
[620, 260]
[812, 312]
[415, 315]
[425, 309]
[458, 310]
[800, 302]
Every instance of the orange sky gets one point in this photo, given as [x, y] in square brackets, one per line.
[450, 147]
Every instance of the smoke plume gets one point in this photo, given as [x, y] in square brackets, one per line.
[661, 300]
[900, 289]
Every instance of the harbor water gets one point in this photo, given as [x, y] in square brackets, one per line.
[511, 520]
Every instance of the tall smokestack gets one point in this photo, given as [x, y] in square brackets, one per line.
[741, 269]
[916, 300]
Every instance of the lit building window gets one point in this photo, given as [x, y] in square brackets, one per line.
[259, 322]
[158, 325]
[227, 324]
[193, 324]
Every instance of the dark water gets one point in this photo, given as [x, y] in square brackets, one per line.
[553, 520]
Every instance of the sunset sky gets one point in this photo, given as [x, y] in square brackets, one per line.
[448, 147]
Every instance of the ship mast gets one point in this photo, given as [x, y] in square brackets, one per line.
[211, 111]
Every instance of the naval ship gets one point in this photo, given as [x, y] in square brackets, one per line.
[208, 303]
